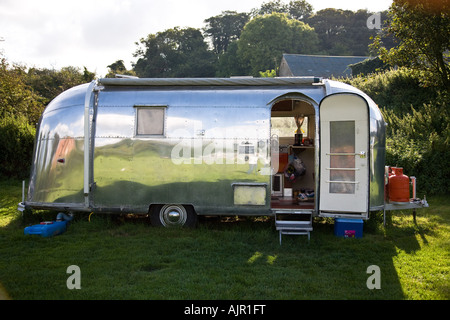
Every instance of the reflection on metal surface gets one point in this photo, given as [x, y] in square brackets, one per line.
[211, 138]
[60, 135]
[377, 154]
[142, 172]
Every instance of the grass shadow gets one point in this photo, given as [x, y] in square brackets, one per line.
[227, 257]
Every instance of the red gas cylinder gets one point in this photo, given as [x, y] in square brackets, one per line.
[398, 186]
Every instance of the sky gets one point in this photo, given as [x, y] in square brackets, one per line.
[96, 33]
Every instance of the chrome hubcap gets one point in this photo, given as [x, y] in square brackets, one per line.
[173, 215]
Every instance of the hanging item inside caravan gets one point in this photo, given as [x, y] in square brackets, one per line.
[295, 168]
[175, 149]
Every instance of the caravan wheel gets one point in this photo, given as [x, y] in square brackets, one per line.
[173, 215]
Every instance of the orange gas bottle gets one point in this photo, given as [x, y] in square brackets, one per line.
[398, 186]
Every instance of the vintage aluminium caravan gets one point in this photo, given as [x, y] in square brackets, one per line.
[291, 147]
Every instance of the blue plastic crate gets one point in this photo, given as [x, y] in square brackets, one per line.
[348, 228]
[47, 229]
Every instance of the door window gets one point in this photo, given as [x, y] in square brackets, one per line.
[342, 158]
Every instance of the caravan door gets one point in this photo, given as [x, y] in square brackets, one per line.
[344, 155]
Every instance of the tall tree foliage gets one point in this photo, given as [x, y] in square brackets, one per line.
[423, 32]
[225, 28]
[265, 38]
[174, 53]
[118, 67]
[342, 32]
[231, 64]
[298, 10]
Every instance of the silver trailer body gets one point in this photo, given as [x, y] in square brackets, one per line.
[125, 145]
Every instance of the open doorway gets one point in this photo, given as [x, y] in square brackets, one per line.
[293, 182]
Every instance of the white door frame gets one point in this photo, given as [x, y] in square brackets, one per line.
[344, 157]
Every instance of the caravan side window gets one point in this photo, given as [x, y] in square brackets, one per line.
[150, 120]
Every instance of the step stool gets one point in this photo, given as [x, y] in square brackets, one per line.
[291, 222]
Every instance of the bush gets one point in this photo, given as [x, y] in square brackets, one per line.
[16, 97]
[420, 143]
[395, 89]
[418, 125]
[16, 143]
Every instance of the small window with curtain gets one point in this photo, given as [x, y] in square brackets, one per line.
[150, 120]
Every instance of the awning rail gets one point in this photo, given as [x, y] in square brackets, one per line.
[237, 81]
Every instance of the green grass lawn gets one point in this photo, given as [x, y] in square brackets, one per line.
[224, 259]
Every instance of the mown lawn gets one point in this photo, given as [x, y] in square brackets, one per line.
[224, 259]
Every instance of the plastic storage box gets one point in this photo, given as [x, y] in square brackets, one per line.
[348, 228]
[47, 229]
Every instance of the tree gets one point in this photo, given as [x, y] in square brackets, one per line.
[423, 32]
[299, 10]
[231, 64]
[358, 36]
[20, 108]
[49, 83]
[17, 99]
[174, 53]
[275, 6]
[265, 38]
[342, 32]
[118, 67]
[23, 96]
[152, 61]
[224, 28]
